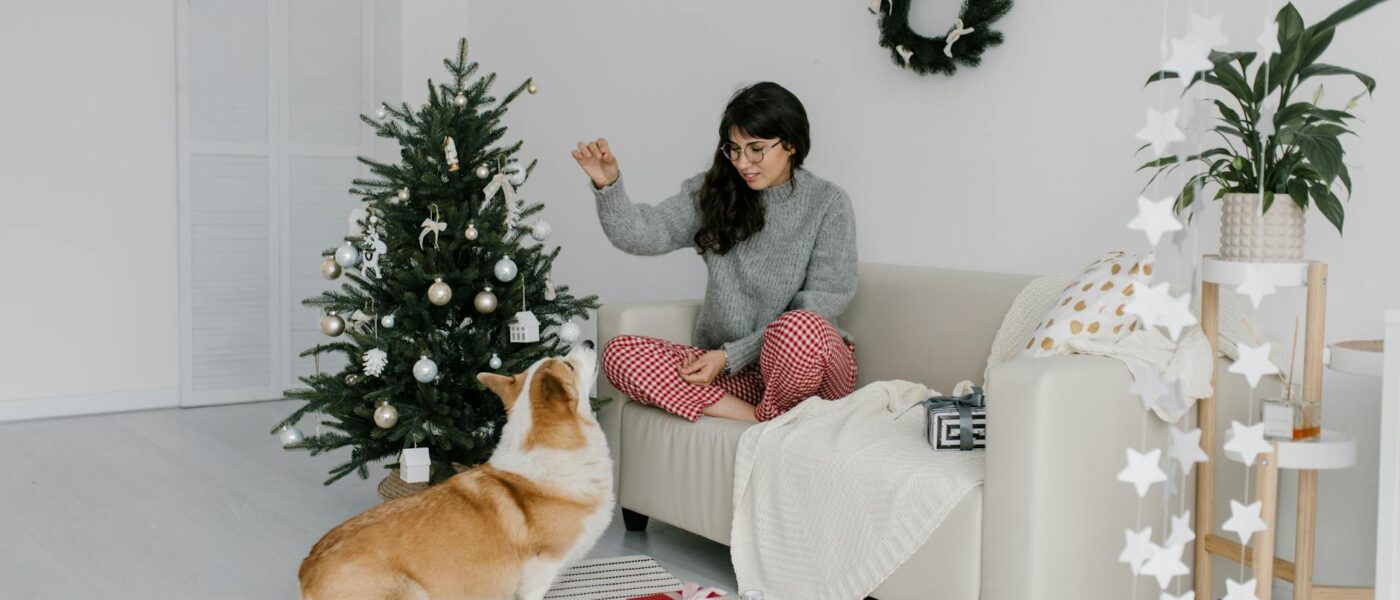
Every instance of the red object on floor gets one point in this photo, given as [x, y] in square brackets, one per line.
[664, 597]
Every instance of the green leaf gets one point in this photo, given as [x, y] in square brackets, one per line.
[1316, 46]
[1352, 9]
[1322, 69]
[1298, 189]
[1324, 153]
[1345, 175]
[1229, 114]
[1290, 25]
[1329, 205]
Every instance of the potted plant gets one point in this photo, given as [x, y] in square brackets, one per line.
[1272, 145]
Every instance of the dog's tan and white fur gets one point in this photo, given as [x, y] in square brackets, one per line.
[502, 530]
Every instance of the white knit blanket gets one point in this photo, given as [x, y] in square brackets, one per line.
[832, 496]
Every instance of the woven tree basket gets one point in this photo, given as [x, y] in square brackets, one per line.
[393, 487]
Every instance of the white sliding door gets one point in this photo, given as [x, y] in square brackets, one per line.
[269, 96]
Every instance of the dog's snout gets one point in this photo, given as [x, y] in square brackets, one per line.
[588, 344]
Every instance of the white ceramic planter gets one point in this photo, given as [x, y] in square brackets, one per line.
[1245, 236]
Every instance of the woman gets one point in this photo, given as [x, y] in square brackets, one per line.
[779, 245]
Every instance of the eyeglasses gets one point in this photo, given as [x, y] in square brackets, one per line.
[753, 152]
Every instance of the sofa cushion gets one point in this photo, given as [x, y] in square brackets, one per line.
[677, 471]
[1093, 306]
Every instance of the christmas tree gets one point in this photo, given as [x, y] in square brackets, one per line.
[441, 267]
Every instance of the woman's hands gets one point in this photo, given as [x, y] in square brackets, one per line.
[704, 369]
[597, 161]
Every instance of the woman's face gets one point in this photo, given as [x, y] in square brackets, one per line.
[773, 168]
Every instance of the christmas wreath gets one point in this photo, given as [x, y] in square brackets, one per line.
[964, 42]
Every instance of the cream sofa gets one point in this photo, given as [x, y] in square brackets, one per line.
[1048, 521]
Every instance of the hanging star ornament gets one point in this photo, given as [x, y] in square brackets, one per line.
[1137, 548]
[1265, 125]
[1190, 595]
[1165, 564]
[1244, 520]
[1143, 470]
[1206, 32]
[1254, 363]
[1255, 285]
[1161, 130]
[1186, 449]
[1181, 530]
[1187, 58]
[1177, 315]
[1147, 384]
[1240, 591]
[1248, 441]
[1268, 39]
[1149, 303]
[1154, 218]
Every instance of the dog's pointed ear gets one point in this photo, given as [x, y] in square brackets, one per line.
[507, 388]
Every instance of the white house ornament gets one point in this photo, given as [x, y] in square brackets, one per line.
[289, 435]
[1255, 285]
[1161, 130]
[330, 269]
[1154, 218]
[439, 293]
[524, 328]
[414, 465]
[346, 255]
[485, 301]
[505, 269]
[449, 150]
[425, 369]
[332, 325]
[1186, 449]
[1143, 470]
[1253, 363]
[1137, 548]
[386, 416]
[374, 361]
[541, 230]
[1245, 520]
[1248, 441]
[432, 225]
[1165, 564]
[1241, 591]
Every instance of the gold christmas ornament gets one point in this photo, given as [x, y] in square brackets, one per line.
[439, 293]
[532, 88]
[330, 269]
[482, 172]
[460, 99]
[386, 415]
[332, 325]
[403, 194]
[485, 301]
[471, 233]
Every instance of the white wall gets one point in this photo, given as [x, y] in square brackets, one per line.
[1024, 164]
[88, 228]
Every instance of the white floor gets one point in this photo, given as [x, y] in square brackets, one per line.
[203, 503]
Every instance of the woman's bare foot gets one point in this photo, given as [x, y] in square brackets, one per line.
[731, 407]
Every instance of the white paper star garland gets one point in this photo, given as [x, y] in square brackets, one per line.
[1186, 449]
[1255, 285]
[1244, 520]
[1240, 591]
[1187, 58]
[1165, 564]
[1181, 530]
[1137, 548]
[1253, 363]
[1268, 39]
[1147, 384]
[1156, 306]
[1206, 32]
[1143, 470]
[1154, 218]
[1248, 441]
[1161, 130]
[1190, 595]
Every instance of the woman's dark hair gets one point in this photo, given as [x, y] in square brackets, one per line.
[730, 211]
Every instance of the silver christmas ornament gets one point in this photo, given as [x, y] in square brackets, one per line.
[289, 435]
[485, 302]
[380, 113]
[425, 370]
[471, 233]
[495, 361]
[386, 415]
[506, 269]
[387, 321]
[541, 230]
[569, 331]
[439, 293]
[346, 255]
[482, 172]
[332, 325]
[352, 379]
[330, 269]
[460, 99]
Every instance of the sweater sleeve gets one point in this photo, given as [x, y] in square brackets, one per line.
[743, 351]
[831, 273]
[644, 229]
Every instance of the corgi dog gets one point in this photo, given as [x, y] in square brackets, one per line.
[501, 530]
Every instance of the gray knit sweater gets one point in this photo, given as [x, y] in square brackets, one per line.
[804, 258]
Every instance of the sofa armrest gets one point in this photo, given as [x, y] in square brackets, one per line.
[671, 320]
[1054, 512]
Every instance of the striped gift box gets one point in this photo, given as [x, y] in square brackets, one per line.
[947, 429]
[618, 578]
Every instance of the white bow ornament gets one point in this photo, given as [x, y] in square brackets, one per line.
[431, 224]
[904, 53]
[500, 182]
[954, 35]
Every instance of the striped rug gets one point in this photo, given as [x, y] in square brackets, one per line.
[617, 578]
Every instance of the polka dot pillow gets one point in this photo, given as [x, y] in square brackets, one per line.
[1093, 306]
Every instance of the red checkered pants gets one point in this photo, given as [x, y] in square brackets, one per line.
[802, 356]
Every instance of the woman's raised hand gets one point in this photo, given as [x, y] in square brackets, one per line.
[597, 161]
